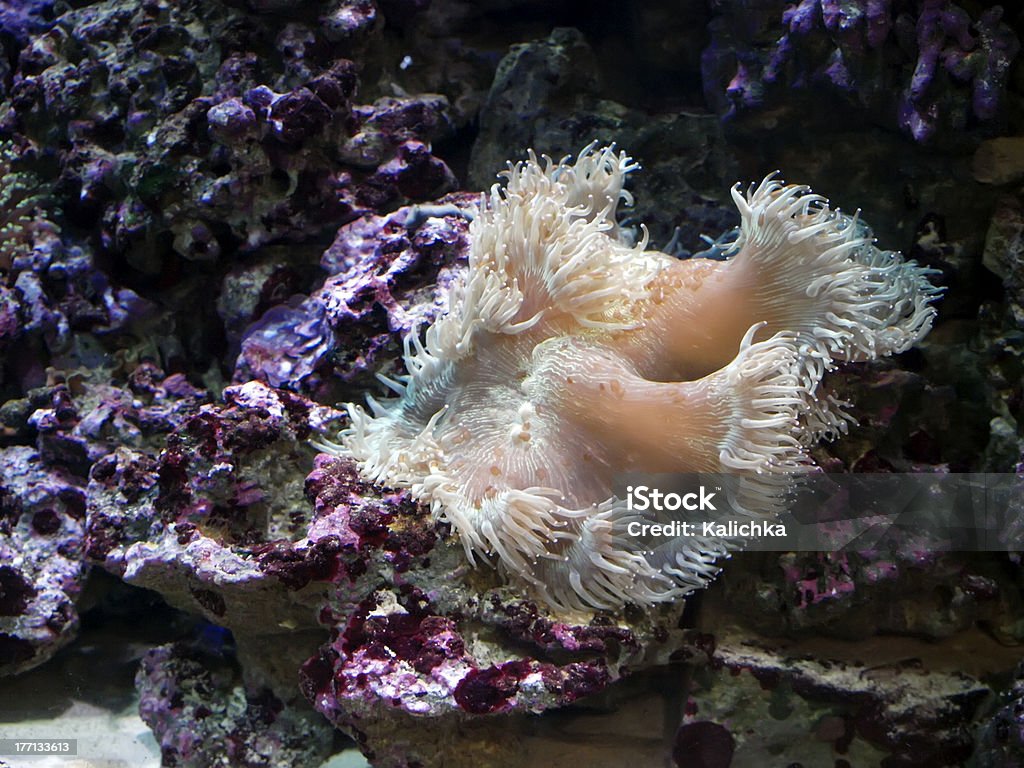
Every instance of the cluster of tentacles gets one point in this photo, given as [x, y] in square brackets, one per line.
[568, 355]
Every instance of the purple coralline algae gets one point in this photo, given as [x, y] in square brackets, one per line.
[977, 54]
[288, 344]
[386, 276]
[407, 653]
[837, 593]
[44, 545]
[74, 420]
[48, 290]
[219, 484]
[235, 541]
[42, 570]
[21, 18]
[191, 147]
[417, 664]
[202, 715]
[928, 67]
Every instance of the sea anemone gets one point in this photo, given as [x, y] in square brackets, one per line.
[568, 355]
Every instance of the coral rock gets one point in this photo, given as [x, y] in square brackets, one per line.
[42, 564]
[201, 715]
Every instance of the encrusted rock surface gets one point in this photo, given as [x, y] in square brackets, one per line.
[42, 515]
[202, 715]
[415, 652]
[1000, 736]
[829, 710]
[385, 276]
[204, 522]
[234, 542]
[928, 67]
[192, 147]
